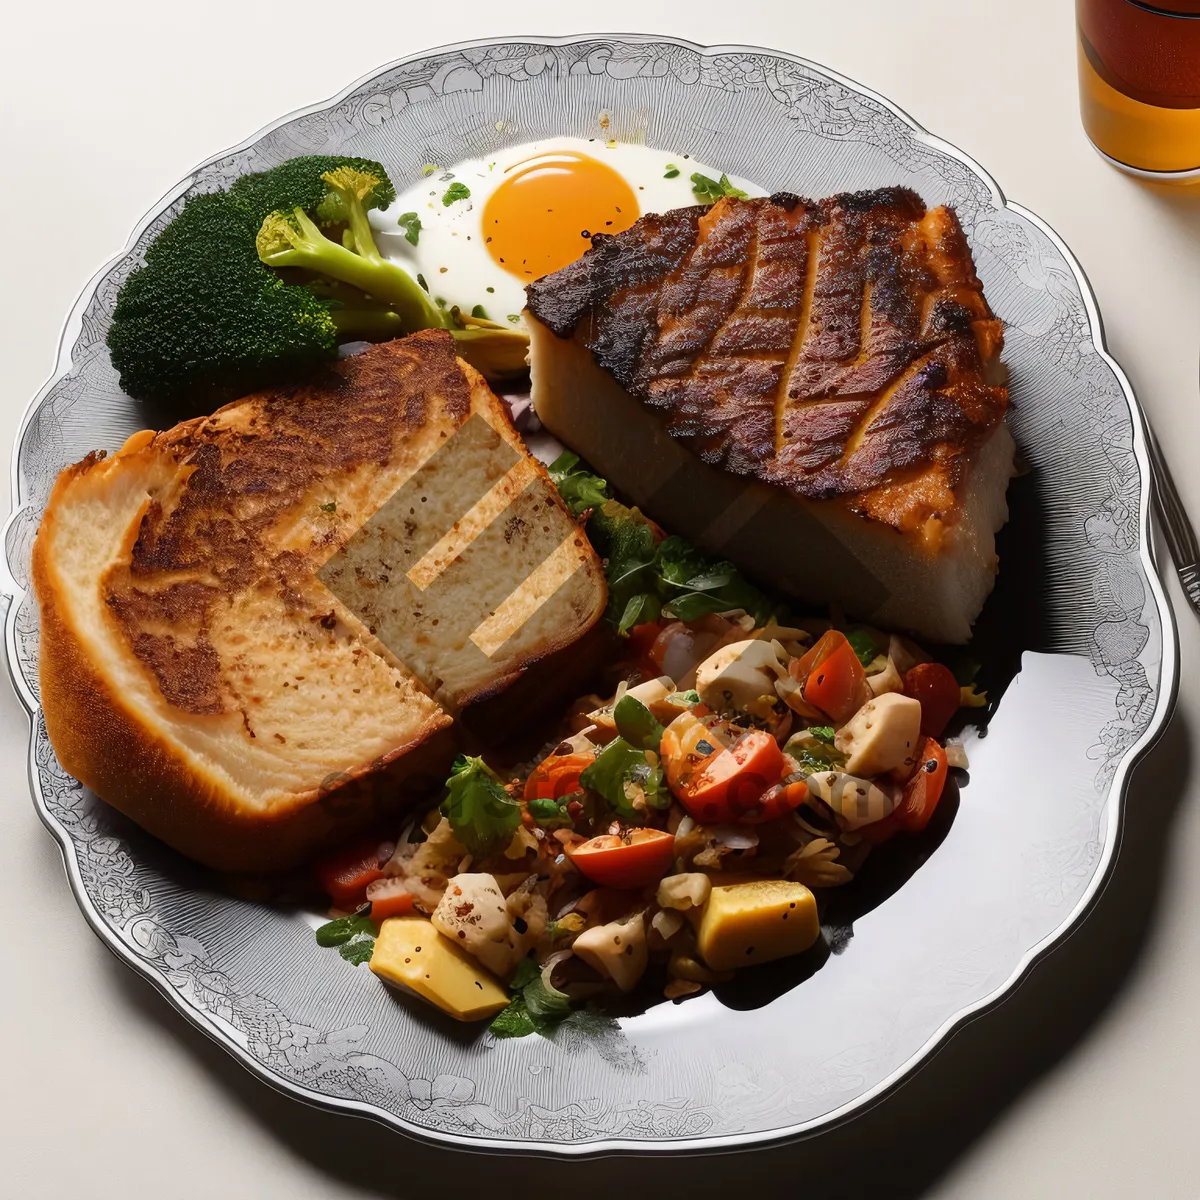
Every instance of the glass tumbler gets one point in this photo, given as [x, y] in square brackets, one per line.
[1139, 85]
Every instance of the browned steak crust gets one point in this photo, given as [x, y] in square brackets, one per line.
[837, 348]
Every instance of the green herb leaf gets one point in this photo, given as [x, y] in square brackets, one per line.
[579, 488]
[550, 814]
[684, 699]
[491, 291]
[329, 506]
[637, 724]
[823, 733]
[525, 972]
[620, 763]
[513, 1021]
[515, 318]
[641, 608]
[336, 933]
[546, 1005]
[624, 539]
[672, 171]
[481, 813]
[358, 951]
[535, 1007]
[456, 191]
[863, 644]
[421, 281]
[411, 224]
[812, 756]
[480, 312]
[709, 191]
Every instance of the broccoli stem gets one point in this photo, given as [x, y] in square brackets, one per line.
[299, 243]
[366, 324]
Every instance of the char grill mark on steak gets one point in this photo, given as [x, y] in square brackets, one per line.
[830, 347]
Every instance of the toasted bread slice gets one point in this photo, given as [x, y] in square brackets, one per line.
[198, 675]
[812, 389]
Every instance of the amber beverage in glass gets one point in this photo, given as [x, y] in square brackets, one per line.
[1139, 84]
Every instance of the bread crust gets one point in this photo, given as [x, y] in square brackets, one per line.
[106, 746]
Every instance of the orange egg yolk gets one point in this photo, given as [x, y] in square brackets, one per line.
[542, 215]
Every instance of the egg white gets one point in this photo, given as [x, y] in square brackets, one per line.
[450, 254]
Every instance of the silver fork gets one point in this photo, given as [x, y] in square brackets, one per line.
[1181, 537]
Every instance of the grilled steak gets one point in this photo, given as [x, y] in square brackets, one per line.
[839, 354]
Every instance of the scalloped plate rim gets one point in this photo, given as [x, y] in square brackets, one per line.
[14, 593]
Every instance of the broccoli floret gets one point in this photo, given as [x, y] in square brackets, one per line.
[293, 239]
[298, 183]
[208, 319]
[290, 238]
[204, 321]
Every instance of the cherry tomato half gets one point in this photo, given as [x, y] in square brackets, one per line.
[833, 679]
[937, 690]
[920, 800]
[557, 776]
[639, 858]
[730, 784]
[345, 873]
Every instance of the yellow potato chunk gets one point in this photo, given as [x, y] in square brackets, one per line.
[756, 922]
[411, 954]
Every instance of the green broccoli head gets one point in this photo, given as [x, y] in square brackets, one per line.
[300, 183]
[204, 320]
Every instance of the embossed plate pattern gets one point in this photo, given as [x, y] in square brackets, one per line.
[1018, 867]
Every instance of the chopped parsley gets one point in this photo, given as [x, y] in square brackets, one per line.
[647, 578]
[823, 733]
[421, 281]
[480, 312]
[579, 488]
[330, 506]
[709, 191]
[411, 224]
[481, 813]
[456, 191]
[672, 171]
[515, 318]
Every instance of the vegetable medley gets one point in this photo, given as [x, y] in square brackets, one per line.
[683, 827]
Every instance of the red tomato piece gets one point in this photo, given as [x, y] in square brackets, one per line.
[345, 874]
[731, 782]
[633, 860]
[775, 802]
[641, 641]
[937, 690]
[557, 776]
[832, 676]
[920, 800]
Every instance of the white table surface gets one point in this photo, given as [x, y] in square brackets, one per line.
[1083, 1084]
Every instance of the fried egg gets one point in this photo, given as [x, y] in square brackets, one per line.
[489, 226]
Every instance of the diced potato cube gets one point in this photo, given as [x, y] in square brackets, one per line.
[756, 922]
[411, 954]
